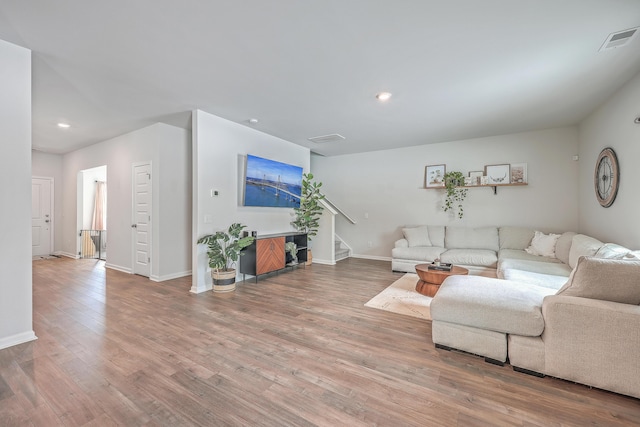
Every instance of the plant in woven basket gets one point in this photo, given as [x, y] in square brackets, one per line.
[224, 248]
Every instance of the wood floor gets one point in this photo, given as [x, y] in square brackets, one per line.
[294, 349]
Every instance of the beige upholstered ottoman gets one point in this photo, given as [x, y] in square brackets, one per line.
[475, 314]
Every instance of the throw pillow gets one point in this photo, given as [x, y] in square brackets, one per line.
[605, 279]
[543, 244]
[613, 251]
[417, 236]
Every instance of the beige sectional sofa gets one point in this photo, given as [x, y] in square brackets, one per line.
[574, 315]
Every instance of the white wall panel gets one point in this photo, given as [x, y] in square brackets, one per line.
[15, 196]
[612, 126]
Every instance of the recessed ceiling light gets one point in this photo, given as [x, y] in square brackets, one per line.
[383, 96]
[253, 121]
[64, 125]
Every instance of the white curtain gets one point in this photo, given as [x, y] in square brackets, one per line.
[99, 221]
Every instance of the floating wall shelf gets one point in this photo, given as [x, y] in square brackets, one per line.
[494, 186]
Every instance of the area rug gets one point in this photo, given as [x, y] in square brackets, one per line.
[39, 257]
[401, 297]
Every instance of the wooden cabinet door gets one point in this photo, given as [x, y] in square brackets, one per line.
[269, 254]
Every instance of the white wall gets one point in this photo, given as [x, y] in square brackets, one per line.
[174, 195]
[50, 166]
[612, 125]
[389, 187]
[15, 196]
[168, 148]
[219, 149]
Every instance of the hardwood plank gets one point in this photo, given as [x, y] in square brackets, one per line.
[297, 348]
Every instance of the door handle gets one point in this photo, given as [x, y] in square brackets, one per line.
[134, 225]
[46, 220]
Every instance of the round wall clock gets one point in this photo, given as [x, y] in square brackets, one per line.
[607, 177]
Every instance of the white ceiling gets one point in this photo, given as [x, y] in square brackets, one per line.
[457, 68]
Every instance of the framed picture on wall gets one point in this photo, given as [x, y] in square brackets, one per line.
[434, 176]
[498, 174]
[519, 173]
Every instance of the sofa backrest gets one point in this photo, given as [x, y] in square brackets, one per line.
[424, 235]
[515, 237]
[436, 234]
[472, 238]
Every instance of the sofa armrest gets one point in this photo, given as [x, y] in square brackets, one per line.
[593, 342]
[402, 243]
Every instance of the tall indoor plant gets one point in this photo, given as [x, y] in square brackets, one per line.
[307, 216]
[224, 250]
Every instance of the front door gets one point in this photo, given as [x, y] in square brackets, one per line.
[41, 221]
[142, 219]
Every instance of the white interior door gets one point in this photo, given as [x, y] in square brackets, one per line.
[41, 220]
[142, 219]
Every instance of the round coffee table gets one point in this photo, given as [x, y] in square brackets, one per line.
[430, 280]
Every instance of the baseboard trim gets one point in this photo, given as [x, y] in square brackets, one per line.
[67, 254]
[17, 339]
[170, 276]
[322, 261]
[373, 257]
[118, 268]
[199, 290]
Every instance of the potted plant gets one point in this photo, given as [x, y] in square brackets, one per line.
[453, 184]
[224, 250]
[307, 216]
[292, 249]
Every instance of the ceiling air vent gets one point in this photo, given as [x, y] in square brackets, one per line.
[619, 39]
[327, 138]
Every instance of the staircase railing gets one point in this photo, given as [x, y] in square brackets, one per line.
[340, 211]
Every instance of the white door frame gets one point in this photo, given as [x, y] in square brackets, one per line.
[134, 219]
[51, 210]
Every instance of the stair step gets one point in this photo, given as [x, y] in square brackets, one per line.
[342, 254]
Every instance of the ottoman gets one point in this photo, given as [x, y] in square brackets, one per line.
[475, 314]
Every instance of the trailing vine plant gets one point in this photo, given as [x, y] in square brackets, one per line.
[453, 182]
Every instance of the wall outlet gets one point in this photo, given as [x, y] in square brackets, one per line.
[369, 244]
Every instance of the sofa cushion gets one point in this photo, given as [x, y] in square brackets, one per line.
[582, 245]
[613, 251]
[553, 268]
[515, 237]
[479, 257]
[417, 253]
[543, 244]
[417, 236]
[605, 279]
[536, 279]
[520, 254]
[563, 246]
[493, 304]
[471, 238]
[436, 235]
